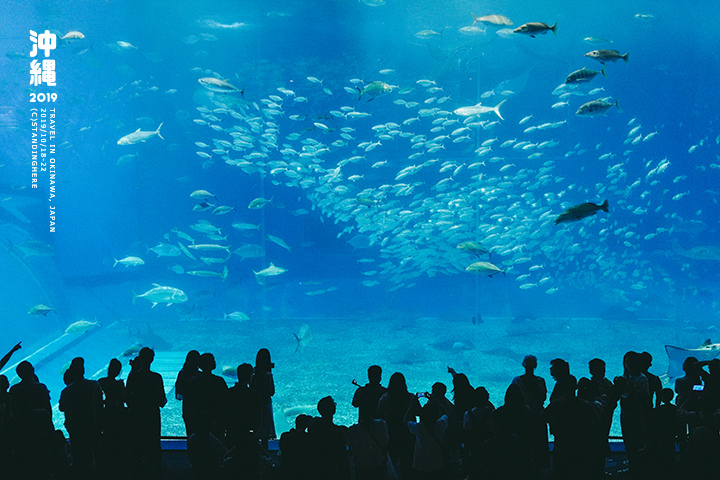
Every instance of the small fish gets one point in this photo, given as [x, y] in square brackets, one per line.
[425, 34]
[484, 268]
[596, 107]
[492, 20]
[219, 86]
[604, 56]
[72, 36]
[139, 136]
[259, 203]
[535, 28]
[270, 271]
[303, 337]
[41, 309]
[81, 326]
[129, 261]
[583, 75]
[202, 194]
[237, 316]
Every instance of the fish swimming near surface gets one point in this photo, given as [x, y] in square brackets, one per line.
[677, 355]
[596, 107]
[303, 337]
[604, 56]
[535, 28]
[139, 136]
[578, 212]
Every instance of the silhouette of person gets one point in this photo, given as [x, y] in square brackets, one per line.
[654, 382]
[686, 396]
[635, 406]
[145, 398]
[295, 451]
[6, 358]
[262, 382]
[429, 458]
[463, 392]
[82, 403]
[115, 424]
[5, 402]
[29, 393]
[664, 428]
[204, 398]
[366, 398]
[478, 427]
[560, 371]
[5, 415]
[517, 420]
[328, 443]
[393, 407]
[368, 446]
[534, 392]
[188, 371]
[598, 386]
[579, 451]
[30, 430]
[243, 409]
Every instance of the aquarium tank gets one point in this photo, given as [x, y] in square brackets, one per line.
[418, 185]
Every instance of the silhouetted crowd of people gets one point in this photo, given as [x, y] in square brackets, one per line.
[114, 426]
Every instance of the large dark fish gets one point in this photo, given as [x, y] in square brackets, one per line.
[578, 212]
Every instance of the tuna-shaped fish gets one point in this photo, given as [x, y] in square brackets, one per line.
[578, 212]
[604, 56]
[479, 110]
[596, 107]
[161, 294]
[583, 75]
[139, 136]
[218, 86]
[535, 28]
[40, 310]
[484, 268]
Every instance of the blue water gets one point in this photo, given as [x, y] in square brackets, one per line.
[599, 287]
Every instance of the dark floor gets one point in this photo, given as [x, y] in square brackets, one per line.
[176, 465]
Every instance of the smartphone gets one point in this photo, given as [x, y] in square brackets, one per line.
[698, 388]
